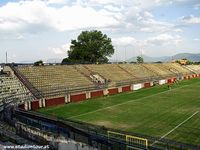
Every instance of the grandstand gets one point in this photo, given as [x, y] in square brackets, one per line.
[95, 77]
[48, 79]
[111, 72]
[138, 70]
[60, 80]
[194, 68]
[12, 89]
[83, 69]
[53, 81]
[160, 70]
[178, 68]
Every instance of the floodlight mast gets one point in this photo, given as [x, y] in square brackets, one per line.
[116, 55]
[125, 55]
[6, 57]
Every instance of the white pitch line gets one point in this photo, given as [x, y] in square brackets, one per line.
[175, 128]
[127, 102]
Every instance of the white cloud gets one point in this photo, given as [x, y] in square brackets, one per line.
[196, 6]
[105, 2]
[61, 50]
[20, 37]
[126, 20]
[56, 1]
[144, 21]
[82, 18]
[152, 25]
[196, 39]
[178, 30]
[12, 37]
[141, 5]
[160, 39]
[129, 14]
[148, 14]
[190, 19]
[112, 8]
[124, 41]
[24, 14]
[164, 39]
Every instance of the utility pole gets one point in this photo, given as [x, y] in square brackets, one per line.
[125, 54]
[116, 55]
[141, 50]
[6, 58]
[133, 53]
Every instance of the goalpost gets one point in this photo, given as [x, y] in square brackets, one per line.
[131, 141]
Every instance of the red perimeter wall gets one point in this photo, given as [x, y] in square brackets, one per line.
[97, 94]
[194, 75]
[34, 105]
[147, 84]
[113, 91]
[187, 77]
[78, 97]
[170, 80]
[126, 88]
[55, 101]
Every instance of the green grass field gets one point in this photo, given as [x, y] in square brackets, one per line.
[157, 111]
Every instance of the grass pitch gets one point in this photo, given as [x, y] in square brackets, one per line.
[157, 111]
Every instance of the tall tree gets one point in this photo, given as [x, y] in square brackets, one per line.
[90, 47]
[140, 60]
[39, 63]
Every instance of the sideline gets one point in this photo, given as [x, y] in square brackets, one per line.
[174, 128]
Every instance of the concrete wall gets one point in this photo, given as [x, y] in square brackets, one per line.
[97, 93]
[77, 97]
[55, 101]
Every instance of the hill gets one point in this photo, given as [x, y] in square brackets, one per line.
[189, 56]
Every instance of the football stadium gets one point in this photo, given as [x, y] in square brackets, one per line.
[103, 106]
[99, 74]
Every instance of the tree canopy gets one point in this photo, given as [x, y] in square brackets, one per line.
[90, 47]
[39, 63]
[140, 60]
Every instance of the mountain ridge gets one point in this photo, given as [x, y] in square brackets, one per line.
[194, 57]
[190, 56]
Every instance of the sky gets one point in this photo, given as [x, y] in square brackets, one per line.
[32, 30]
